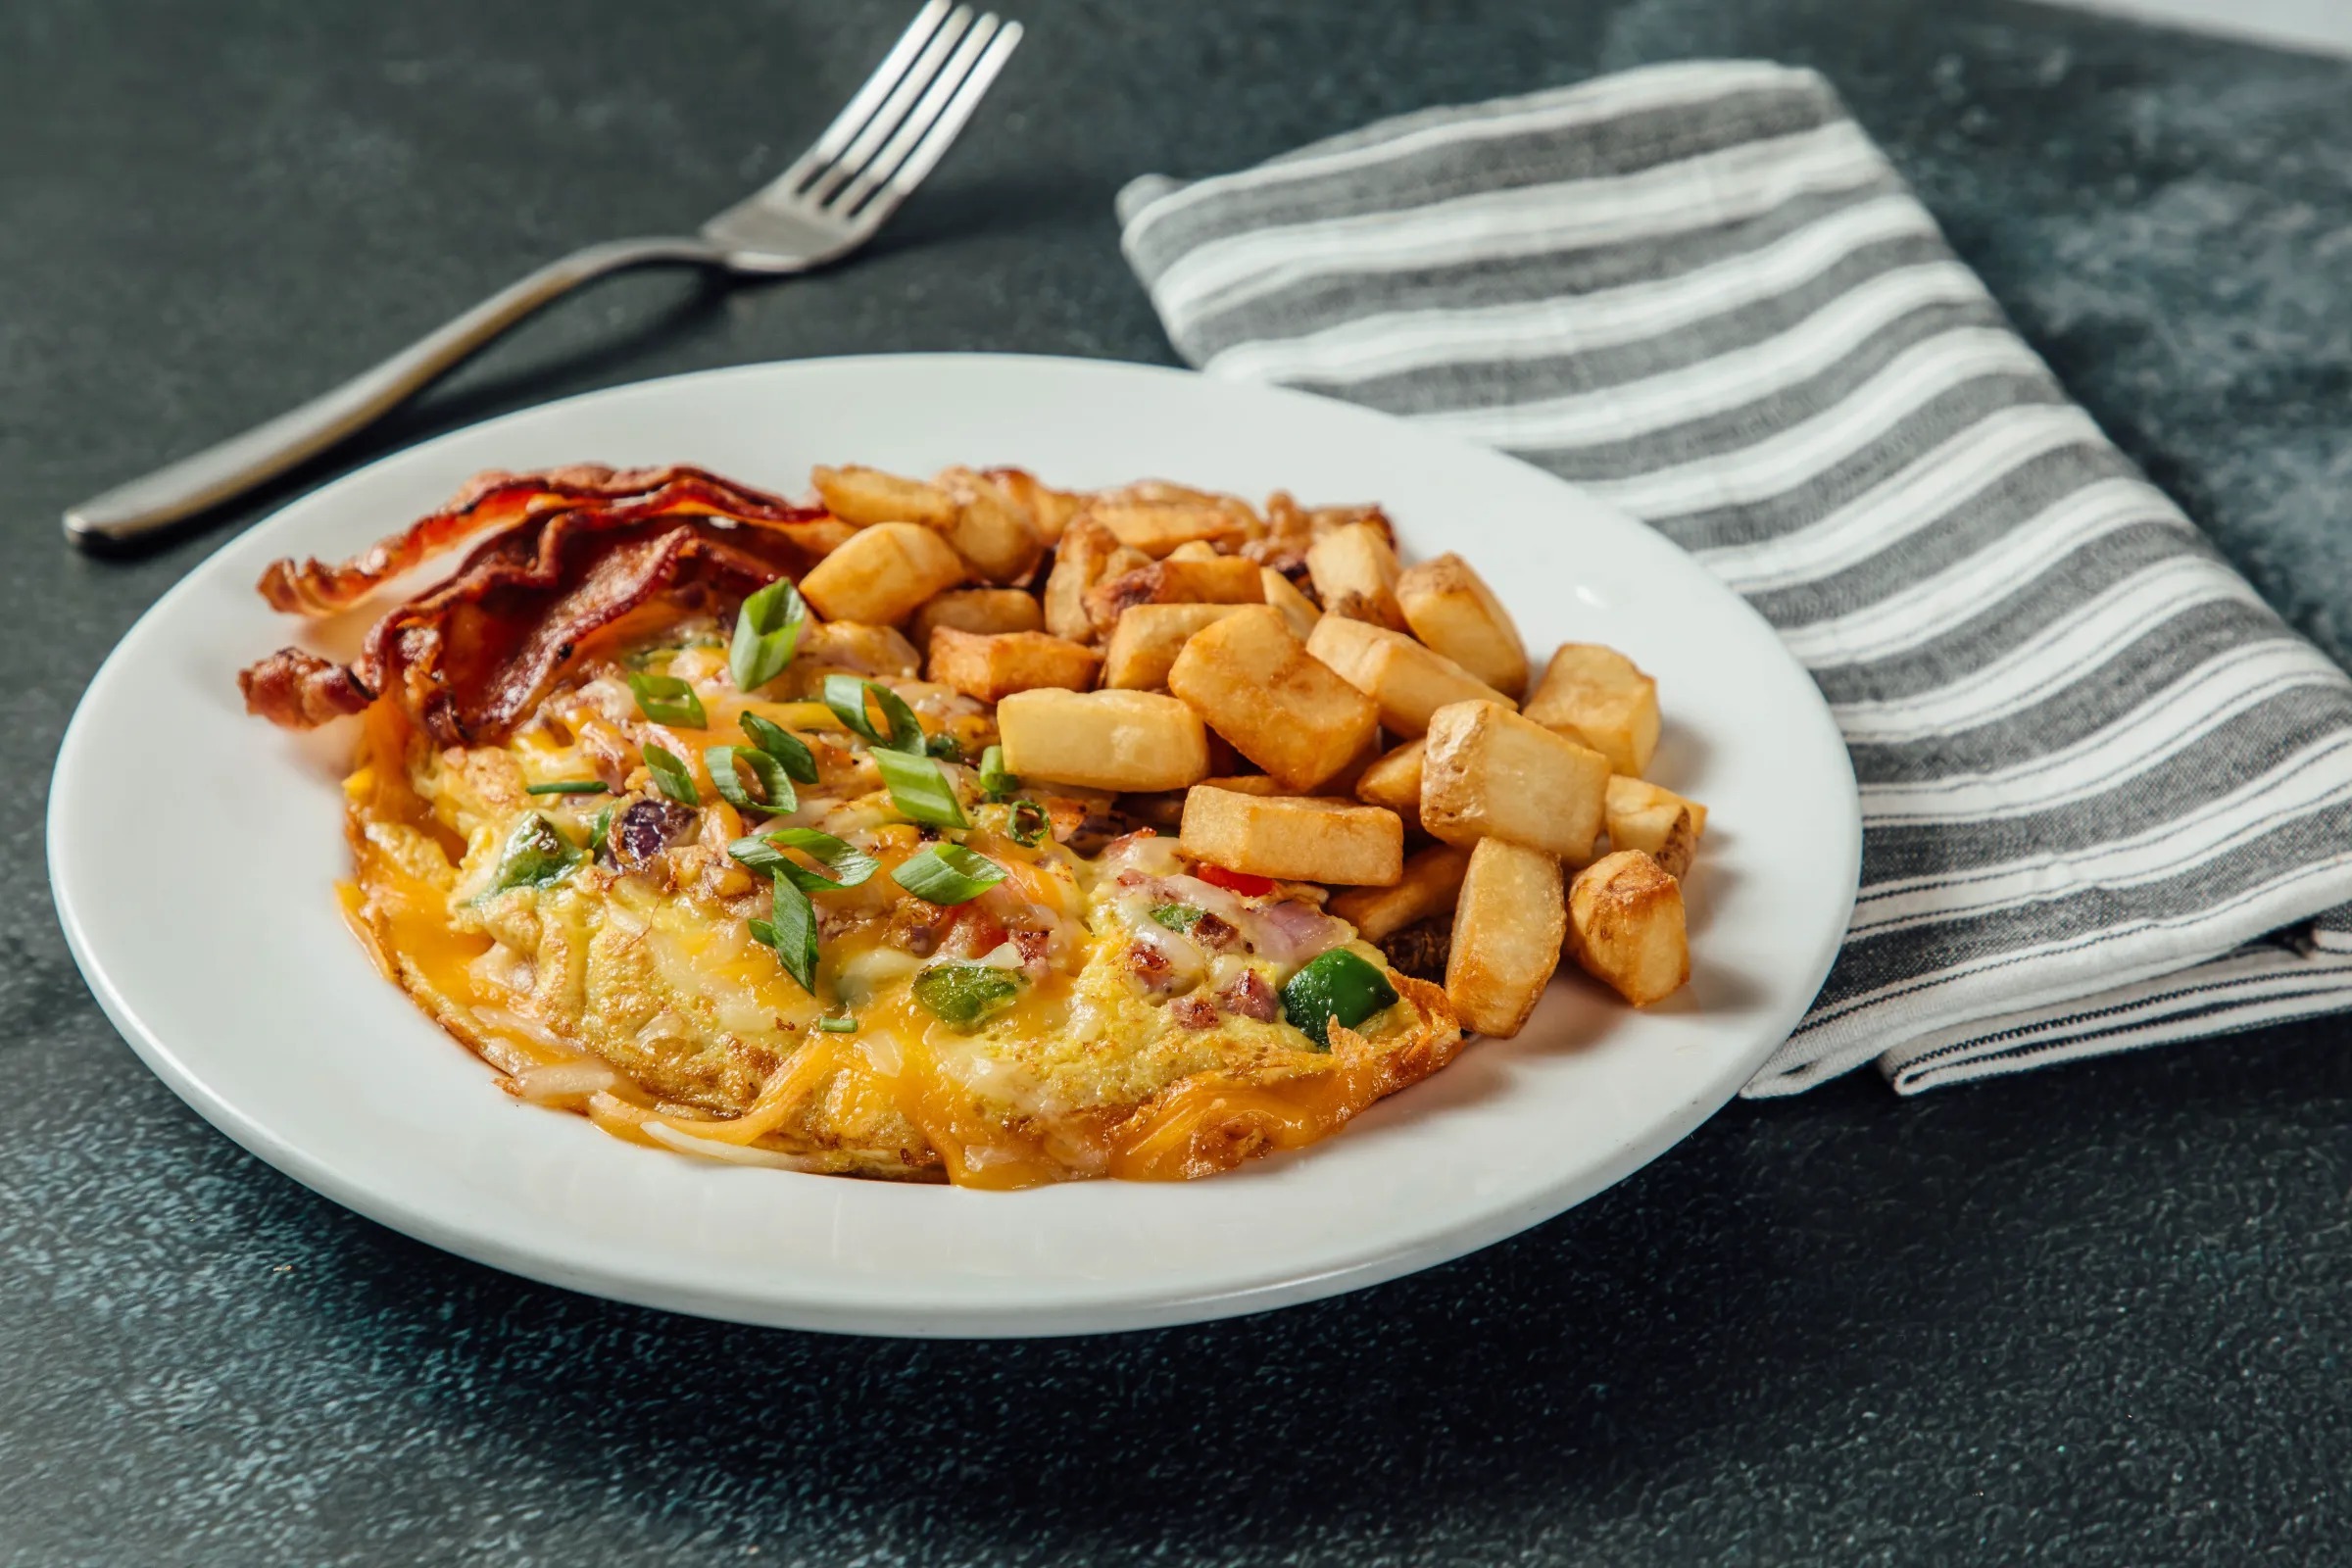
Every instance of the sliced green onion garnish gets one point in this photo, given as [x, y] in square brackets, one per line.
[600, 830]
[775, 789]
[919, 788]
[666, 700]
[792, 933]
[1178, 917]
[765, 853]
[672, 777]
[1338, 987]
[799, 764]
[536, 854]
[948, 873]
[963, 995]
[995, 783]
[1028, 823]
[566, 786]
[767, 628]
[837, 1026]
[847, 696]
[947, 748]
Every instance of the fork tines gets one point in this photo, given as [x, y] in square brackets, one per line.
[908, 112]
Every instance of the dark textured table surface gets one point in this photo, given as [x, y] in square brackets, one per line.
[2097, 1315]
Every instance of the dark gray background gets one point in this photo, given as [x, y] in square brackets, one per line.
[2097, 1315]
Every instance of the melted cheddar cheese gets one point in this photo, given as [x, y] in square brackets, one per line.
[630, 988]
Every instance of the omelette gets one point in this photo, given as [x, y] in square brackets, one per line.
[733, 880]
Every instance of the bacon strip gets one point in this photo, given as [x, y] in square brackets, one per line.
[471, 657]
[497, 499]
[300, 690]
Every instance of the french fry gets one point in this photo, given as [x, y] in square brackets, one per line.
[1293, 838]
[1408, 681]
[1451, 609]
[1218, 581]
[1050, 510]
[993, 667]
[1257, 686]
[1079, 560]
[1394, 780]
[1597, 695]
[1148, 639]
[868, 496]
[1658, 822]
[989, 530]
[1626, 926]
[1284, 595]
[1428, 885]
[1508, 924]
[1197, 550]
[1156, 527]
[1487, 772]
[1131, 742]
[977, 610]
[882, 575]
[1355, 572]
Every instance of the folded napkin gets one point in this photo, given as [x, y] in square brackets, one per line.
[2106, 793]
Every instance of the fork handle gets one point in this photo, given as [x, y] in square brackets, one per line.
[205, 479]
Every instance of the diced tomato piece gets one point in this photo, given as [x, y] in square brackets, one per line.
[1240, 882]
[973, 933]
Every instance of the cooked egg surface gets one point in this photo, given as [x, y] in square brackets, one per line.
[1101, 1010]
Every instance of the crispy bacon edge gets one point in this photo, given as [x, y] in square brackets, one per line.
[470, 656]
[497, 499]
[299, 690]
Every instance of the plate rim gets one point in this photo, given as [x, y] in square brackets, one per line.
[887, 1313]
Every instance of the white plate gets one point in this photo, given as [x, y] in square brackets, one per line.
[210, 936]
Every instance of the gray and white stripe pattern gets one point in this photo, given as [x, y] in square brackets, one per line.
[2106, 793]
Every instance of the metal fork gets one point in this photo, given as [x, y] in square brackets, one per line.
[827, 204]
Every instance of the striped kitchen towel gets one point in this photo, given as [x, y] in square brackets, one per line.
[2106, 793]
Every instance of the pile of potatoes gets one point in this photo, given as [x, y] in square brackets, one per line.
[1149, 640]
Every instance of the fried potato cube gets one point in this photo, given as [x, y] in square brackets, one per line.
[1451, 610]
[1429, 884]
[857, 648]
[1508, 922]
[1079, 562]
[1394, 780]
[986, 610]
[989, 530]
[1658, 822]
[1245, 784]
[1157, 526]
[1293, 838]
[883, 576]
[1126, 741]
[992, 667]
[1284, 595]
[1050, 510]
[1408, 681]
[868, 496]
[844, 647]
[1197, 550]
[1487, 772]
[1282, 707]
[1148, 639]
[1624, 926]
[1597, 695]
[1355, 573]
[1218, 581]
